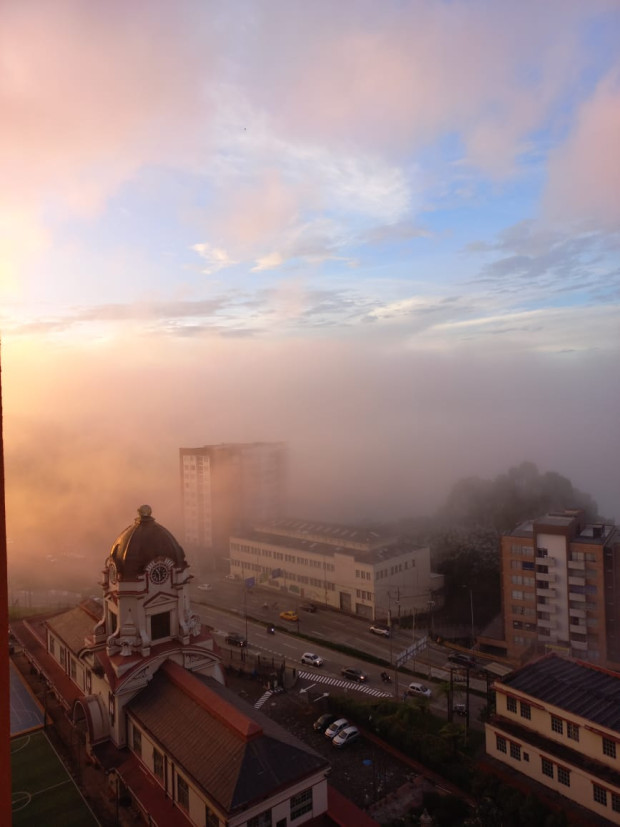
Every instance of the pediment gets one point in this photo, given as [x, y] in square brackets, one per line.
[160, 599]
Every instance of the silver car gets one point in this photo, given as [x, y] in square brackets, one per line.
[312, 659]
[333, 729]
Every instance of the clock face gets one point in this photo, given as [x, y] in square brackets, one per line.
[159, 573]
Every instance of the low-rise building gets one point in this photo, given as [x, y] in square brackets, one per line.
[557, 722]
[362, 571]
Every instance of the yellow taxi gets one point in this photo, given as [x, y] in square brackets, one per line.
[289, 615]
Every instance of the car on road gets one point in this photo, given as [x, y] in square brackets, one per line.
[312, 659]
[308, 607]
[416, 688]
[205, 587]
[334, 728]
[235, 639]
[459, 709]
[380, 629]
[321, 724]
[346, 736]
[461, 659]
[289, 614]
[354, 674]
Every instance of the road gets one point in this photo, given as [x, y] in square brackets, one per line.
[225, 608]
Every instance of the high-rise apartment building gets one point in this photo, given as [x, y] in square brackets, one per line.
[561, 589]
[224, 486]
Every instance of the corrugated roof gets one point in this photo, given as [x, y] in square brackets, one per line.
[577, 687]
[234, 769]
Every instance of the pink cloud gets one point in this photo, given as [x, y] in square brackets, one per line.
[584, 173]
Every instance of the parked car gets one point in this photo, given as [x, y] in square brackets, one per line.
[289, 615]
[419, 689]
[459, 709]
[462, 659]
[354, 674]
[380, 629]
[312, 659]
[346, 736]
[308, 607]
[205, 587]
[321, 724]
[334, 728]
[235, 639]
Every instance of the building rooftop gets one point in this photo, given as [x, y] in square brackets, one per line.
[234, 752]
[577, 687]
[353, 543]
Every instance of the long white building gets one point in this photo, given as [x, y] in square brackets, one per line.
[357, 570]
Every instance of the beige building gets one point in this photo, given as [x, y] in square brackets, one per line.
[142, 682]
[560, 590]
[557, 722]
[357, 570]
[224, 486]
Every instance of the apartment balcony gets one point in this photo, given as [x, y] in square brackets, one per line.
[576, 564]
[551, 608]
[543, 560]
[576, 581]
[577, 644]
[577, 629]
[581, 598]
[545, 592]
[546, 577]
[547, 624]
[578, 612]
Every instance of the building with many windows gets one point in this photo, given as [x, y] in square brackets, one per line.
[557, 722]
[142, 682]
[361, 571]
[224, 486]
[561, 590]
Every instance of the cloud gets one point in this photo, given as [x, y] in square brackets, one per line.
[215, 257]
[584, 172]
[269, 262]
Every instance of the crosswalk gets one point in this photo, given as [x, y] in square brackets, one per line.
[340, 683]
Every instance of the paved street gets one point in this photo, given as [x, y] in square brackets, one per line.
[226, 609]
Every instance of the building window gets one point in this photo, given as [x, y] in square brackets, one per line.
[262, 820]
[500, 743]
[137, 740]
[73, 670]
[526, 711]
[615, 802]
[557, 725]
[511, 704]
[182, 793]
[564, 776]
[572, 730]
[599, 794]
[212, 820]
[609, 748]
[301, 803]
[158, 764]
[515, 751]
[547, 767]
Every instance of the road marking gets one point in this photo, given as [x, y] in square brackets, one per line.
[342, 684]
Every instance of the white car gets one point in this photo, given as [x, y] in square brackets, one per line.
[312, 659]
[333, 729]
[346, 736]
[419, 689]
[205, 587]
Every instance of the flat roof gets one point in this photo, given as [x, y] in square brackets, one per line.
[575, 686]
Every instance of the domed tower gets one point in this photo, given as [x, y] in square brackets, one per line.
[146, 598]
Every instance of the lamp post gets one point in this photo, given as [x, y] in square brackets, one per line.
[471, 606]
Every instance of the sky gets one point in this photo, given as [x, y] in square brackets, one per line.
[387, 233]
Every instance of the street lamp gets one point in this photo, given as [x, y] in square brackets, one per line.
[471, 605]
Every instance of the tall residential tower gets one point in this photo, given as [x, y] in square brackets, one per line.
[225, 486]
